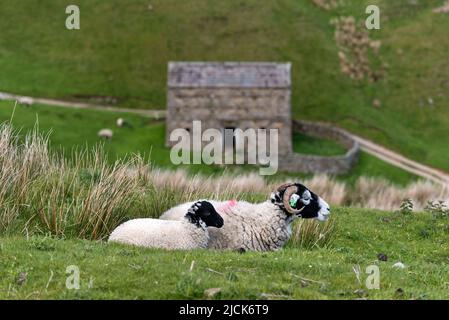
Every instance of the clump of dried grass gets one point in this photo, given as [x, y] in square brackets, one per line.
[45, 192]
[20, 165]
[381, 194]
[217, 184]
[311, 234]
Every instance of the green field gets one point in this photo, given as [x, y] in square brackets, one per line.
[72, 129]
[311, 145]
[123, 48]
[419, 241]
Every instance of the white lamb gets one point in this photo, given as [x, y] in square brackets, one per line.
[263, 226]
[189, 233]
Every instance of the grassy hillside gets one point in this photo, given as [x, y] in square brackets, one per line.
[122, 50]
[72, 129]
[419, 241]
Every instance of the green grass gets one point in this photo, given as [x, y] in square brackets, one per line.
[311, 145]
[370, 166]
[417, 240]
[71, 129]
[75, 129]
[122, 51]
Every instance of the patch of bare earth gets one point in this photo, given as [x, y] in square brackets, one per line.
[358, 54]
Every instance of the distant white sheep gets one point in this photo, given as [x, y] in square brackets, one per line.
[105, 133]
[26, 101]
[189, 233]
[263, 226]
[120, 122]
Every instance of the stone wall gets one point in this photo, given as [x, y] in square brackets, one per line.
[321, 164]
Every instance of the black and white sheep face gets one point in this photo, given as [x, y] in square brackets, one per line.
[204, 212]
[316, 208]
[299, 201]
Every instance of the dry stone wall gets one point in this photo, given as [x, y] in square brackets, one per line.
[296, 162]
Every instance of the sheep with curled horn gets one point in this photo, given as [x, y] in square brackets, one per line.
[262, 226]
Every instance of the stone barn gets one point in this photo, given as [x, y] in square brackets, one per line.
[231, 95]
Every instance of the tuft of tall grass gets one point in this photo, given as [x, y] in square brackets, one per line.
[381, 194]
[309, 234]
[41, 191]
[20, 165]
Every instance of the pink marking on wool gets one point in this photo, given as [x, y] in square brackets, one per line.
[226, 207]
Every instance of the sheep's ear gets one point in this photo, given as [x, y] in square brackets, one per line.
[306, 197]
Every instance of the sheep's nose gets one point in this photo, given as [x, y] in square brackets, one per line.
[326, 211]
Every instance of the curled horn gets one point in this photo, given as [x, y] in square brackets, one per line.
[289, 191]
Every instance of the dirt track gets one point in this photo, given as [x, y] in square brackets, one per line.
[402, 162]
[80, 105]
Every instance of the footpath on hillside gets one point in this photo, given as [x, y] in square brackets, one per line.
[80, 105]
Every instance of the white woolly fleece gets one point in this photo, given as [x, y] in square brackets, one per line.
[259, 227]
[154, 233]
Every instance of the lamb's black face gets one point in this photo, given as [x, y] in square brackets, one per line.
[310, 204]
[205, 211]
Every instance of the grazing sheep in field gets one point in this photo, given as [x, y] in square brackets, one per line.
[263, 226]
[120, 122]
[189, 233]
[26, 101]
[105, 133]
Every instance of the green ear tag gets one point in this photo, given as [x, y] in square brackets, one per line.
[293, 200]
